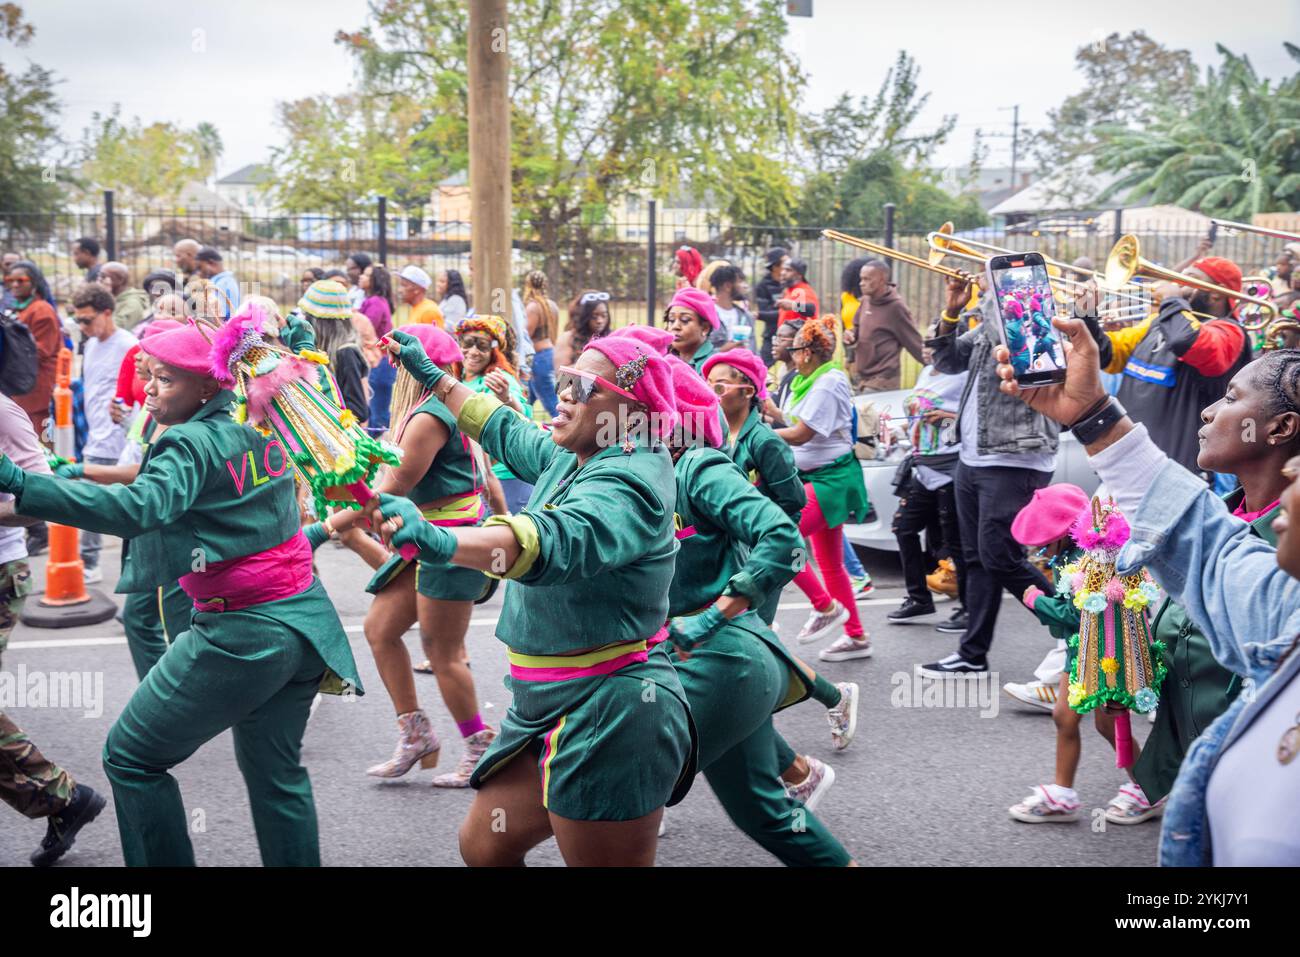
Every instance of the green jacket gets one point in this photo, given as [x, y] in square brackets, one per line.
[1057, 612]
[734, 540]
[769, 462]
[129, 308]
[208, 490]
[697, 360]
[1196, 690]
[598, 541]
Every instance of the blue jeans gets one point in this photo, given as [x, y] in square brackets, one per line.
[382, 378]
[851, 562]
[542, 384]
[517, 492]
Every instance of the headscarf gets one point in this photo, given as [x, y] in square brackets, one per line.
[495, 328]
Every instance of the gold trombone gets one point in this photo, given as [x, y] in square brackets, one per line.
[1257, 230]
[1125, 263]
[1124, 306]
[891, 253]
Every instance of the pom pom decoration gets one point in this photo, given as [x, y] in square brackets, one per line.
[1118, 663]
[283, 394]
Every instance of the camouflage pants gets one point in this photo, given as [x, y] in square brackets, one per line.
[29, 783]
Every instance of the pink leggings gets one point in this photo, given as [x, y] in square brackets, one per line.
[828, 549]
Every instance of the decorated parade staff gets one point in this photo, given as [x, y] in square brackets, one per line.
[737, 547]
[441, 473]
[214, 508]
[739, 379]
[692, 318]
[598, 738]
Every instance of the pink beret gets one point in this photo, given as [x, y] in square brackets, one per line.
[744, 362]
[698, 301]
[439, 346]
[156, 326]
[184, 347]
[1049, 514]
[643, 373]
[657, 339]
[696, 404]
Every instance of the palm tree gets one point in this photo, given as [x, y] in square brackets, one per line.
[1234, 153]
[210, 148]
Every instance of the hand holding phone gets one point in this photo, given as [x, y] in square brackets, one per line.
[1022, 293]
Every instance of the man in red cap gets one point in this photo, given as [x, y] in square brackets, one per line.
[1176, 363]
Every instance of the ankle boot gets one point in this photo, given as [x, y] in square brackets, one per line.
[416, 741]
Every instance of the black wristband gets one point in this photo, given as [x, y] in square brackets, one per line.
[1098, 420]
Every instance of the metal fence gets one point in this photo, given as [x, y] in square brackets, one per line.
[632, 260]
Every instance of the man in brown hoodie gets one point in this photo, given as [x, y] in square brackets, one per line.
[882, 328]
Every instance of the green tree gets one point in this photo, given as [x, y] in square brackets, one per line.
[1128, 80]
[608, 97]
[210, 148]
[30, 148]
[851, 129]
[1233, 152]
[143, 164]
[855, 199]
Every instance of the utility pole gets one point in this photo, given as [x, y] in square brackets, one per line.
[1015, 143]
[489, 156]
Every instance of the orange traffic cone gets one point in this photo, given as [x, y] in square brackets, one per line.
[66, 602]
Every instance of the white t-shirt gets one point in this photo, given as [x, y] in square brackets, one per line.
[827, 409]
[18, 441]
[99, 369]
[1251, 796]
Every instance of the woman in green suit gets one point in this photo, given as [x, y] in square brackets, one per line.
[212, 506]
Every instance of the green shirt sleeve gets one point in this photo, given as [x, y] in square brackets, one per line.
[775, 463]
[719, 491]
[507, 436]
[159, 495]
[1056, 611]
[609, 518]
[316, 535]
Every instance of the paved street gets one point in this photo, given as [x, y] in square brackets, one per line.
[920, 785]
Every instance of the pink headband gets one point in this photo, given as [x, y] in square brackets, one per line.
[744, 362]
[643, 373]
[699, 302]
[696, 404]
[657, 339]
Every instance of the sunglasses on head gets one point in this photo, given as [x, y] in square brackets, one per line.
[588, 297]
[582, 384]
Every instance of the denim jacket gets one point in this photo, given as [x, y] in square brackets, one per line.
[1006, 423]
[1229, 582]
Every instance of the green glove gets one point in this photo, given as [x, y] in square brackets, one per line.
[54, 461]
[70, 470]
[435, 543]
[12, 478]
[687, 632]
[415, 359]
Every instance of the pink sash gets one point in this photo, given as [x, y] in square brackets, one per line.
[279, 572]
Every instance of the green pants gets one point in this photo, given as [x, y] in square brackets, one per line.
[733, 683]
[151, 620]
[231, 670]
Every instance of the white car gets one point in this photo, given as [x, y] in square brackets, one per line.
[1071, 466]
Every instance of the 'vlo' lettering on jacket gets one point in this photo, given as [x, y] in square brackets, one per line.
[247, 462]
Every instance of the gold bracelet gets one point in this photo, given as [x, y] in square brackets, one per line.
[329, 529]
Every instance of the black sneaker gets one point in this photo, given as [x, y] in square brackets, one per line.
[909, 610]
[954, 666]
[956, 624]
[61, 832]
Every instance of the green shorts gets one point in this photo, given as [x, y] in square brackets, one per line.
[444, 582]
[608, 748]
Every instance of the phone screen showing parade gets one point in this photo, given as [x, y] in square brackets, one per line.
[1026, 307]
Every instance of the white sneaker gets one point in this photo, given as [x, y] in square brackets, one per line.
[1041, 808]
[93, 576]
[843, 717]
[813, 788]
[846, 648]
[1039, 695]
[822, 624]
[663, 823]
[1130, 806]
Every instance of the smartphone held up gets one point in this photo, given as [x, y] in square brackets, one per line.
[1022, 292]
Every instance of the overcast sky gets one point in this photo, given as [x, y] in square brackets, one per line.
[228, 62]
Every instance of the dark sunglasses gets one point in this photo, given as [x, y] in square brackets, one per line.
[583, 384]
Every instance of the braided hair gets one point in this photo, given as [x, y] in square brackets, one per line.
[1278, 373]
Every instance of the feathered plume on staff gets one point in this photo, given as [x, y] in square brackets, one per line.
[1118, 664]
[278, 393]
